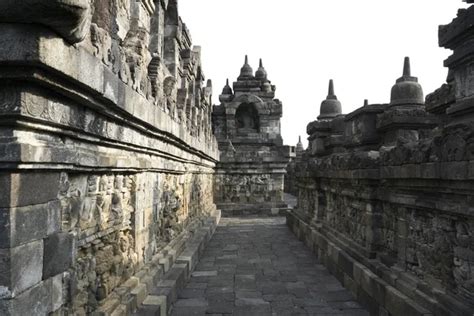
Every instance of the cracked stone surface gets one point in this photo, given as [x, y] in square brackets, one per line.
[256, 266]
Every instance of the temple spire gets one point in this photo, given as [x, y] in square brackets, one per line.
[299, 145]
[227, 89]
[331, 107]
[331, 94]
[406, 67]
[331, 87]
[246, 71]
[261, 73]
[407, 90]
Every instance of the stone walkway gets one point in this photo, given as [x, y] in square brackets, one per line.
[256, 266]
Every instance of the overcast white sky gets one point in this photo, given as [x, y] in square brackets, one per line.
[304, 43]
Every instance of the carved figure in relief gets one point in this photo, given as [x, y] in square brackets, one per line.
[104, 201]
[90, 202]
[138, 57]
[169, 87]
[102, 44]
[171, 203]
[123, 18]
[71, 195]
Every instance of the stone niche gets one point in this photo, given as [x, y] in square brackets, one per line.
[386, 193]
[251, 171]
[247, 119]
[107, 154]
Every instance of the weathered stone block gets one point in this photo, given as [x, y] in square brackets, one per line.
[345, 262]
[367, 301]
[28, 188]
[398, 304]
[35, 301]
[158, 303]
[5, 228]
[24, 224]
[57, 294]
[59, 253]
[20, 268]
[140, 292]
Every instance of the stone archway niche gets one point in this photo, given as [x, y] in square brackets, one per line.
[247, 118]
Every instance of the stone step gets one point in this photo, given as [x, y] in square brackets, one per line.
[163, 293]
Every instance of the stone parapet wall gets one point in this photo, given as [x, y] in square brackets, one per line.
[386, 193]
[106, 150]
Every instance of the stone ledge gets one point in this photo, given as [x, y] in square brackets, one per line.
[154, 288]
[75, 73]
[376, 287]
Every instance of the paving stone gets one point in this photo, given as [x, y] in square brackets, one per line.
[191, 293]
[250, 301]
[188, 311]
[277, 288]
[215, 296]
[324, 310]
[204, 273]
[309, 302]
[191, 302]
[196, 285]
[288, 310]
[299, 292]
[335, 296]
[220, 307]
[250, 268]
[219, 290]
[261, 310]
[345, 305]
[239, 294]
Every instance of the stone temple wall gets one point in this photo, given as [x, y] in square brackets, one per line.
[386, 193]
[106, 151]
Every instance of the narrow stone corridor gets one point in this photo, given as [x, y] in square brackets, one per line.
[256, 266]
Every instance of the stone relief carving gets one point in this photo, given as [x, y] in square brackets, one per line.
[9, 99]
[249, 186]
[34, 104]
[92, 204]
[343, 215]
[464, 79]
[463, 271]
[102, 44]
[123, 18]
[171, 205]
[96, 201]
[138, 57]
[429, 246]
[102, 266]
[388, 230]
[169, 92]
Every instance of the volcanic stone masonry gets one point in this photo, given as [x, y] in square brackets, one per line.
[386, 193]
[250, 173]
[106, 152]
